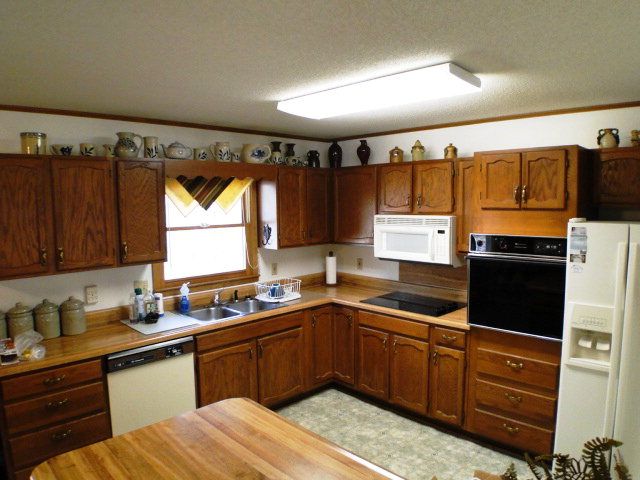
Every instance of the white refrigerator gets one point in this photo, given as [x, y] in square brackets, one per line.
[600, 372]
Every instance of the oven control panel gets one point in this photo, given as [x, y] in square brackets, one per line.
[518, 245]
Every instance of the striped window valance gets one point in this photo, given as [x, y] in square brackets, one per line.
[188, 193]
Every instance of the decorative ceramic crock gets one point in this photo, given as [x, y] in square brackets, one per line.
[47, 319]
[221, 151]
[608, 138]
[450, 151]
[417, 151]
[34, 143]
[276, 155]
[151, 147]
[396, 155]
[126, 146]
[73, 320]
[20, 319]
[255, 153]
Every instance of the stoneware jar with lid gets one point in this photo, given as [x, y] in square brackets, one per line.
[73, 320]
[20, 319]
[47, 319]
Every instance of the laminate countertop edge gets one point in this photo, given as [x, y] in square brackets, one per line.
[115, 336]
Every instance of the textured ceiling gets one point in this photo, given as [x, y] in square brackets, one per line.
[228, 62]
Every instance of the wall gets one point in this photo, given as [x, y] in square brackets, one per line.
[114, 285]
[577, 128]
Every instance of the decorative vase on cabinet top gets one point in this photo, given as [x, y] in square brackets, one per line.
[335, 155]
[126, 146]
[221, 151]
[313, 158]
[177, 151]
[608, 138]
[417, 151]
[396, 155]
[364, 152]
[450, 151]
[255, 153]
[276, 157]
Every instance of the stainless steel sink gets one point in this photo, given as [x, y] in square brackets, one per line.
[232, 310]
[212, 314]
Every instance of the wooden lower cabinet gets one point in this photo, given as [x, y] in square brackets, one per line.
[409, 373]
[320, 322]
[446, 385]
[344, 356]
[373, 362]
[228, 372]
[281, 366]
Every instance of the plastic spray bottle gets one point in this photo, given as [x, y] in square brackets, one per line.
[184, 298]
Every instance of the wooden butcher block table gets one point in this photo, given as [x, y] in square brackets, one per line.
[230, 439]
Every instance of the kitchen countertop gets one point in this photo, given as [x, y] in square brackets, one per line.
[230, 439]
[115, 336]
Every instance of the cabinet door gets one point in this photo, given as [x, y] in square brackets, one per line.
[318, 206]
[141, 211]
[321, 352]
[344, 345]
[355, 204]
[228, 372]
[544, 179]
[446, 385]
[25, 217]
[433, 187]
[618, 177]
[499, 180]
[409, 373]
[465, 198]
[281, 366]
[292, 230]
[373, 362]
[394, 188]
[84, 213]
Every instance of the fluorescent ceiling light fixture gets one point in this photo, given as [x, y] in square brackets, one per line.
[438, 81]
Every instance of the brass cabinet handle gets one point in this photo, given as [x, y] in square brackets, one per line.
[395, 343]
[523, 196]
[260, 349]
[58, 404]
[125, 250]
[514, 365]
[384, 343]
[250, 353]
[435, 357]
[516, 190]
[53, 380]
[43, 257]
[419, 201]
[515, 399]
[510, 429]
[56, 437]
[449, 338]
[60, 255]
[408, 200]
[350, 318]
[313, 321]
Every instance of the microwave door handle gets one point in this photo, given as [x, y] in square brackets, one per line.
[432, 255]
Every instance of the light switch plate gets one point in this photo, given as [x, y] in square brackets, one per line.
[91, 294]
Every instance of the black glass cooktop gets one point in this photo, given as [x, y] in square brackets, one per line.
[410, 302]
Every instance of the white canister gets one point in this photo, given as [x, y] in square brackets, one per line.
[159, 303]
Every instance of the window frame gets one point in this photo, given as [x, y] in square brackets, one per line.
[207, 282]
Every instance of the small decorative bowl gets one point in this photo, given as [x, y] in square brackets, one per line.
[61, 149]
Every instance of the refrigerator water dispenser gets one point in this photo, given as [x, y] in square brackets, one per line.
[590, 334]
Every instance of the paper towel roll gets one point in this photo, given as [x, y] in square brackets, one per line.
[331, 277]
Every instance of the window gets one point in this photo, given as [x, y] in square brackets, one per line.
[208, 247]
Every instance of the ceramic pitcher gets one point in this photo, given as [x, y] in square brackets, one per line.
[608, 138]
[126, 146]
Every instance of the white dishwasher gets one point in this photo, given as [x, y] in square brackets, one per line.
[150, 384]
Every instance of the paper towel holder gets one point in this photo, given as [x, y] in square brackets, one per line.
[330, 269]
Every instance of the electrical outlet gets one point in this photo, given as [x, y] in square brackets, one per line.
[358, 263]
[274, 268]
[141, 284]
[91, 294]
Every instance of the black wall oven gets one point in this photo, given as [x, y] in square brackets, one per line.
[516, 284]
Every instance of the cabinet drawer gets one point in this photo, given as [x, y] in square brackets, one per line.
[34, 448]
[538, 408]
[530, 372]
[55, 407]
[448, 338]
[393, 324]
[50, 380]
[513, 433]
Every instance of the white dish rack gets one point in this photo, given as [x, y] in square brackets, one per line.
[282, 290]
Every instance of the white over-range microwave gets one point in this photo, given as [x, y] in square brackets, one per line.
[416, 238]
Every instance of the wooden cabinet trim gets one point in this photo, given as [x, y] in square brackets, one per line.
[409, 373]
[544, 180]
[344, 338]
[446, 384]
[433, 187]
[393, 324]
[373, 363]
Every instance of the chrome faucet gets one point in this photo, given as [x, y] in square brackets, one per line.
[216, 296]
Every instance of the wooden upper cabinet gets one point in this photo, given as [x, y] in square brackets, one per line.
[355, 204]
[281, 366]
[84, 213]
[618, 177]
[409, 373]
[394, 188]
[433, 187]
[465, 181]
[344, 344]
[228, 372]
[291, 207]
[446, 385]
[373, 362]
[321, 340]
[25, 217]
[544, 179]
[141, 211]
[318, 206]
[499, 180]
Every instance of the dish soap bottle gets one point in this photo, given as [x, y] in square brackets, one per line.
[184, 298]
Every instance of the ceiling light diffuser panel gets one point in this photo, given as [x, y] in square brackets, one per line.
[438, 81]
